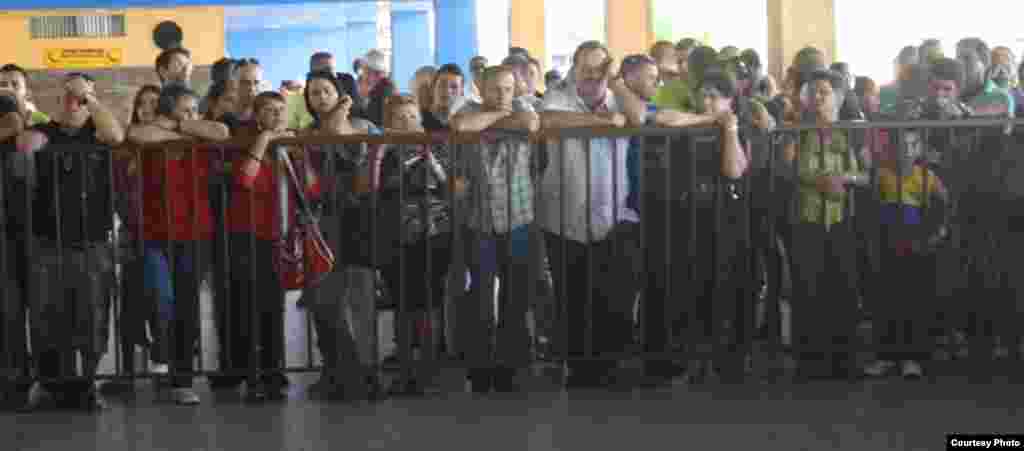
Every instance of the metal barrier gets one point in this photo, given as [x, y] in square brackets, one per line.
[697, 295]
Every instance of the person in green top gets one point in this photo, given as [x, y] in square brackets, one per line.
[823, 253]
[676, 94]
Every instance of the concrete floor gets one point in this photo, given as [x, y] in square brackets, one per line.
[860, 416]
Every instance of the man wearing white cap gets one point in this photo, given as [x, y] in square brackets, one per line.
[378, 84]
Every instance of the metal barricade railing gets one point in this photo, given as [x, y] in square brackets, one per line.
[693, 296]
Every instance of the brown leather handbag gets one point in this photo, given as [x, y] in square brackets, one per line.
[302, 257]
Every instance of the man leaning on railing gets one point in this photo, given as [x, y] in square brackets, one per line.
[591, 232]
[72, 218]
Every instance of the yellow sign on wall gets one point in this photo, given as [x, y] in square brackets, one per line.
[83, 58]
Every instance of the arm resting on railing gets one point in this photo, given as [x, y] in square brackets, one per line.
[478, 121]
[11, 124]
[570, 119]
[673, 118]
[108, 128]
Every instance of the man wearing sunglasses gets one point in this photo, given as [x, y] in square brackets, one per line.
[67, 163]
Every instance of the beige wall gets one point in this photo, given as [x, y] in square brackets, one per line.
[794, 24]
[526, 27]
[628, 26]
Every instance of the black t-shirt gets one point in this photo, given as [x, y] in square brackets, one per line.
[431, 123]
[72, 178]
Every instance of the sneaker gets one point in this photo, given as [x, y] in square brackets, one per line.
[182, 396]
[879, 368]
[158, 368]
[911, 369]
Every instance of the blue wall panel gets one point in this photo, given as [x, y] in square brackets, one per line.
[457, 32]
[411, 46]
[117, 4]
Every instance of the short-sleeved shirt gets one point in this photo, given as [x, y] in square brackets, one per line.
[914, 194]
[501, 184]
[563, 201]
[675, 95]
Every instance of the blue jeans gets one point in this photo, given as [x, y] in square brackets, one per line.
[177, 301]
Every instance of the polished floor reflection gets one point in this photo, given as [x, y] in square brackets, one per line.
[859, 416]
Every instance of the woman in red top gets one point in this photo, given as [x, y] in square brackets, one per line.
[255, 223]
[175, 218]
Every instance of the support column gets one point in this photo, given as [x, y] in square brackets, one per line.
[526, 28]
[794, 24]
[457, 33]
[628, 26]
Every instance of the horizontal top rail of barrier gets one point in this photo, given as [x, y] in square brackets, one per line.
[461, 138]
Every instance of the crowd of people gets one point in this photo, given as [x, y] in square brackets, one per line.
[595, 223]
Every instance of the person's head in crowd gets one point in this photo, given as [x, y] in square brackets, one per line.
[976, 45]
[447, 89]
[752, 60]
[520, 67]
[869, 93]
[664, 53]
[290, 87]
[499, 88]
[14, 83]
[743, 76]
[729, 52]
[930, 51]
[946, 79]
[321, 62]
[222, 100]
[420, 85]
[552, 78]
[377, 68]
[144, 105]
[683, 48]
[808, 60]
[1002, 55]
[823, 95]
[77, 87]
[973, 81]
[905, 60]
[250, 81]
[640, 73]
[843, 70]
[699, 59]
[326, 96]
[590, 65]
[270, 110]
[536, 73]
[716, 91]
[178, 102]
[402, 114]
[224, 69]
[518, 51]
[477, 64]
[174, 66]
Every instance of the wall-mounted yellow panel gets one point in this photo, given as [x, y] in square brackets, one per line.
[203, 29]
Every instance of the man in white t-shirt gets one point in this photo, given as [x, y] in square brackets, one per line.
[590, 231]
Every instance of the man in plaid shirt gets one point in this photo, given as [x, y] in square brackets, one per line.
[499, 209]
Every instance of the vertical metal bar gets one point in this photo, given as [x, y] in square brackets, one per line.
[714, 323]
[198, 265]
[226, 173]
[693, 322]
[256, 301]
[12, 314]
[118, 275]
[588, 343]
[308, 152]
[669, 206]
[170, 328]
[563, 242]
[58, 158]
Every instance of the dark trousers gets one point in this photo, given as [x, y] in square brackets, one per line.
[904, 308]
[416, 278]
[69, 310]
[824, 297]
[596, 284]
[254, 332]
[13, 345]
[483, 341]
[698, 292]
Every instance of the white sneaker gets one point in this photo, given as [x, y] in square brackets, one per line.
[184, 396]
[879, 368]
[158, 368]
[912, 370]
